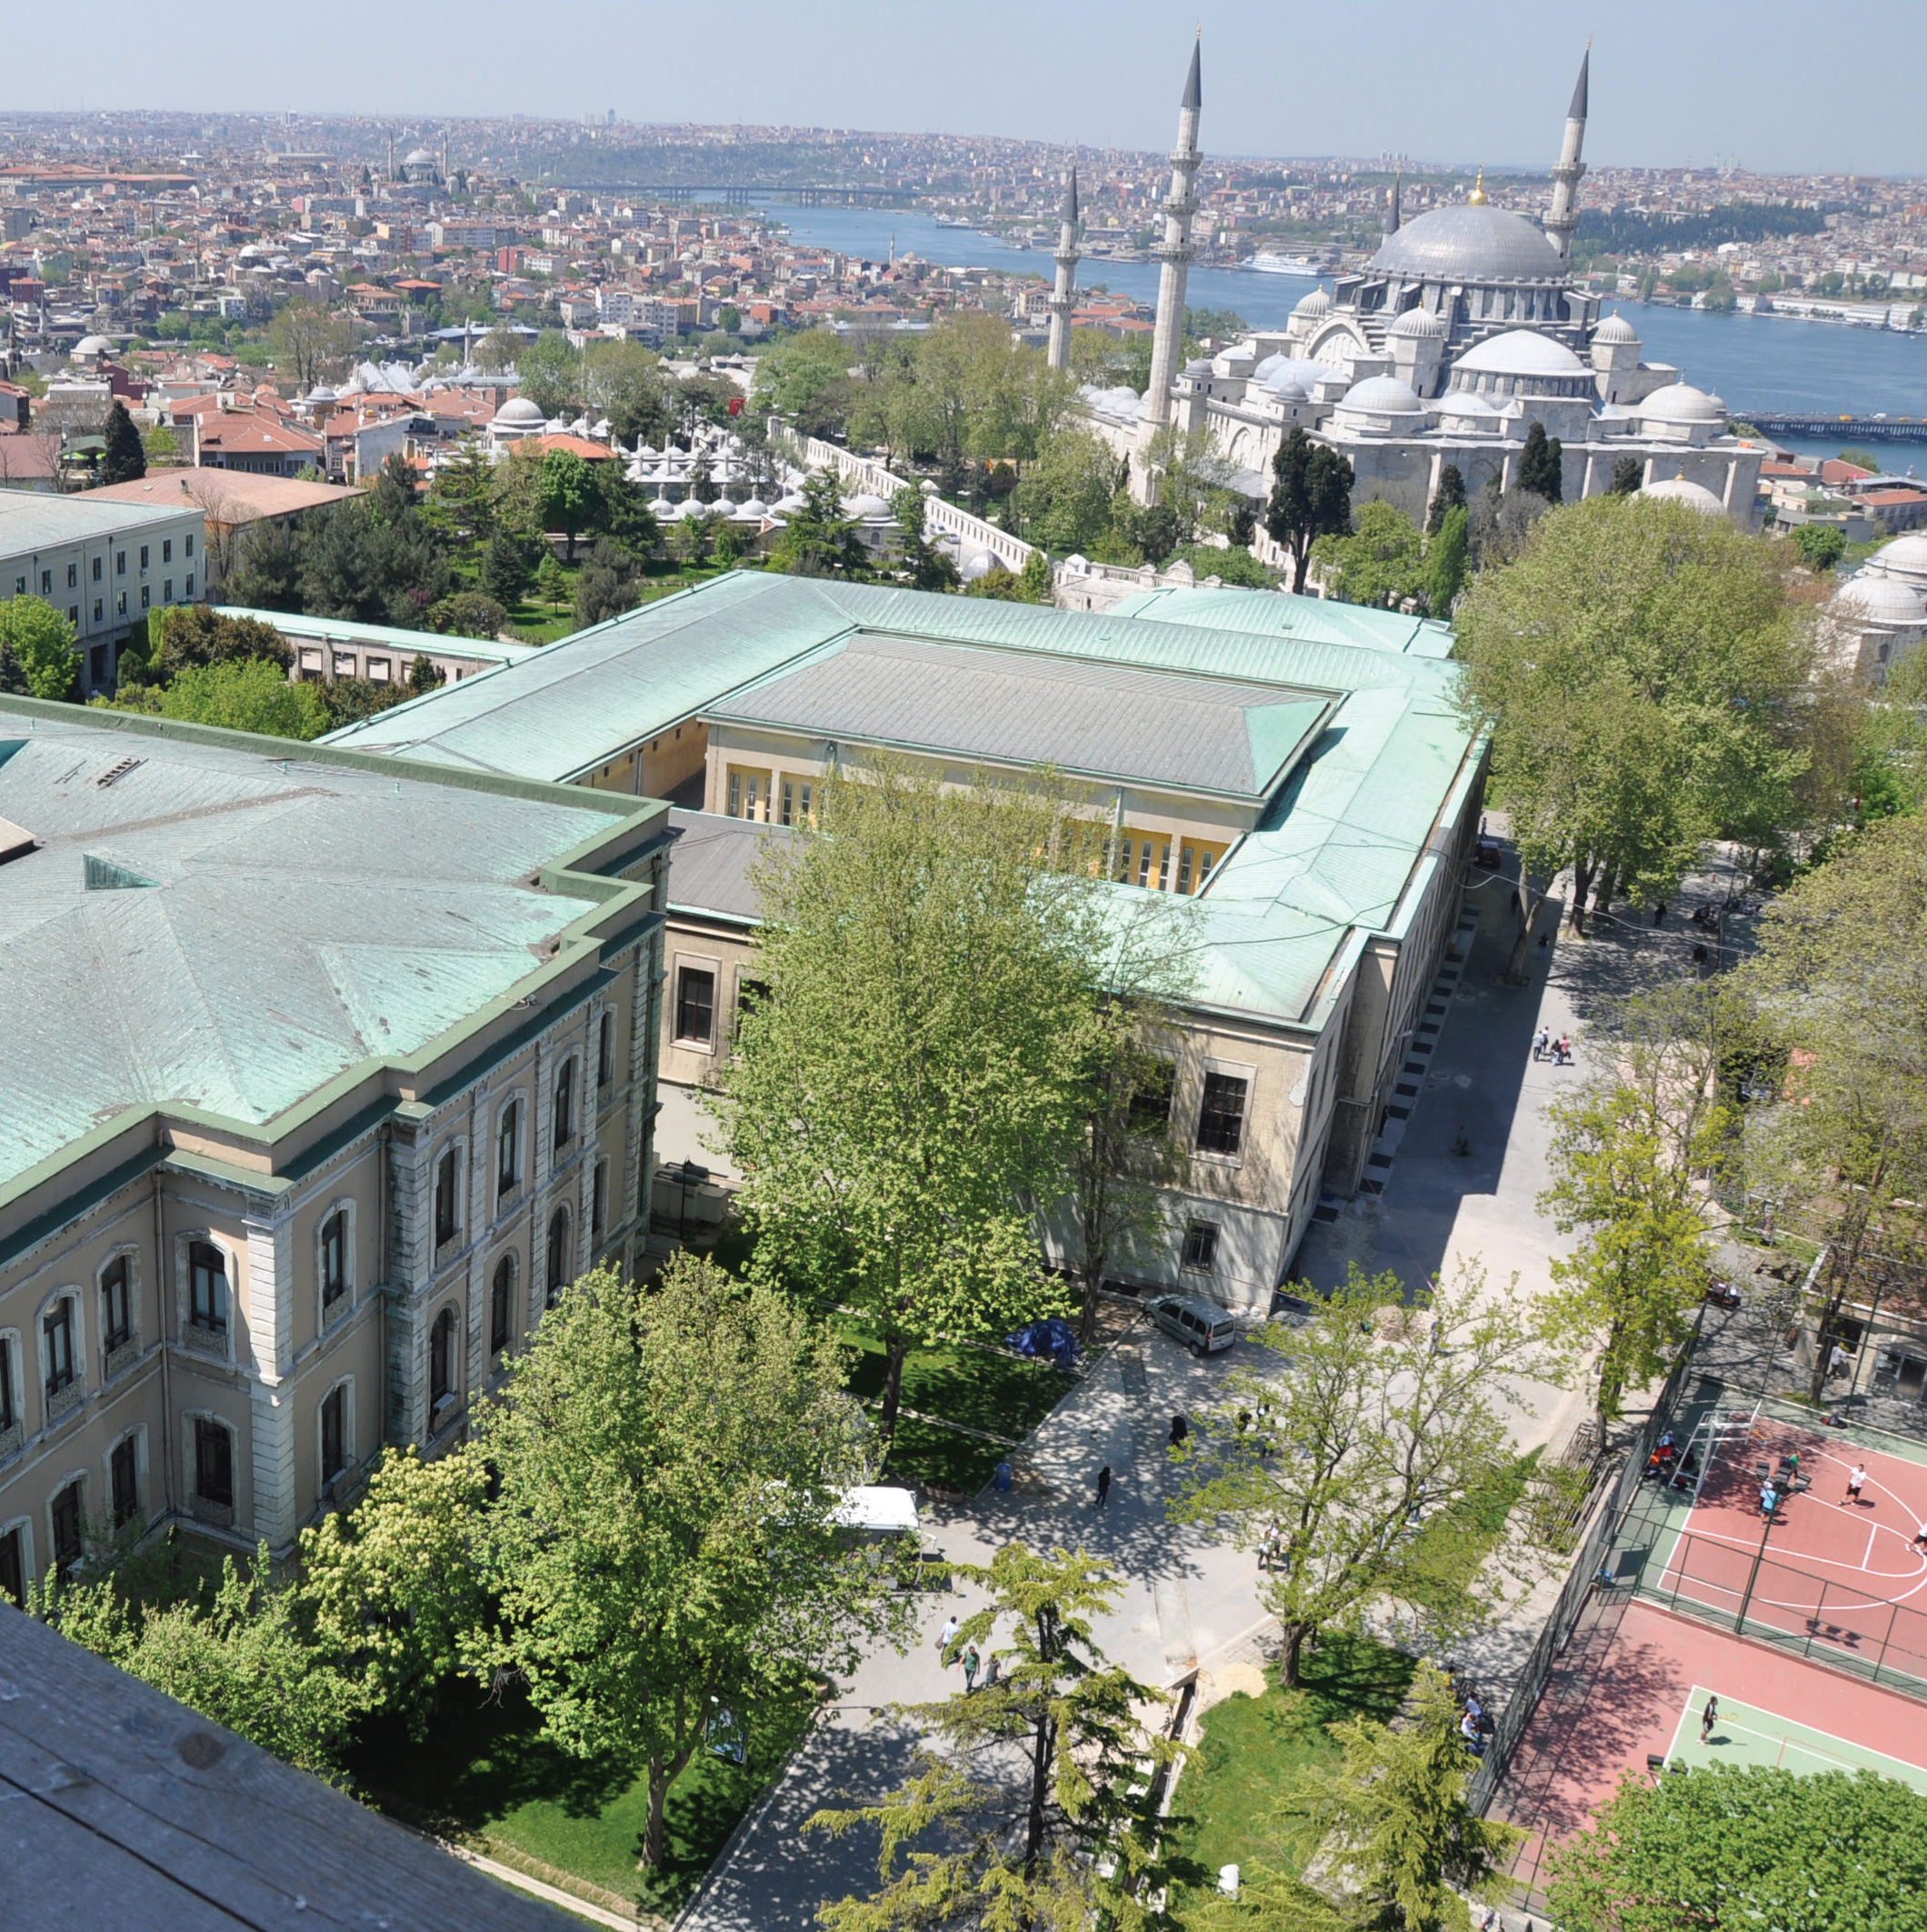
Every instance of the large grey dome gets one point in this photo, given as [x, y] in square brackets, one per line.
[1468, 243]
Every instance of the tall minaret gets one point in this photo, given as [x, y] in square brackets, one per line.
[1392, 219]
[1068, 257]
[1564, 215]
[1175, 252]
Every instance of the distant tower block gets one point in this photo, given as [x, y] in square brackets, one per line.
[1175, 252]
[1062, 302]
[1563, 215]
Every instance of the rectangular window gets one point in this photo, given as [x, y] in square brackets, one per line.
[73, 616]
[214, 1463]
[188, 545]
[1201, 1245]
[167, 550]
[564, 1106]
[123, 1467]
[749, 796]
[1164, 867]
[187, 588]
[58, 1329]
[99, 610]
[1124, 848]
[120, 563]
[1184, 865]
[122, 603]
[1143, 863]
[13, 1568]
[96, 569]
[334, 1259]
[378, 670]
[333, 1434]
[789, 801]
[1204, 860]
[73, 575]
[47, 583]
[802, 803]
[207, 1287]
[1150, 1109]
[116, 1306]
[144, 594]
[67, 1550]
[598, 1201]
[1220, 1117]
[605, 1051]
[167, 591]
[508, 1147]
[695, 1005]
[144, 557]
[9, 1414]
[735, 795]
[20, 586]
[445, 1198]
[501, 1305]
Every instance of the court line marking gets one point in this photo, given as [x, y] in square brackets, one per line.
[1696, 1701]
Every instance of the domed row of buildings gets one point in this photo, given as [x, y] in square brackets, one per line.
[1463, 330]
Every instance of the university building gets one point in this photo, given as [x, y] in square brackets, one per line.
[324, 1072]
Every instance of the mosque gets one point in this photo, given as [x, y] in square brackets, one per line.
[1463, 331]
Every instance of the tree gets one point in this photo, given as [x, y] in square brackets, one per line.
[196, 636]
[423, 676]
[396, 494]
[13, 673]
[549, 373]
[244, 694]
[819, 540]
[266, 571]
[125, 459]
[1540, 467]
[1642, 672]
[625, 383]
[1820, 546]
[1311, 497]
[927, 567]
[469, 614]
[1629, 474]
[461, 508]
[663, 1544]
[1393, 1820]
[609, 584]
[1368, 1461]
[1727, 1845]
[806, 378]
[1379, 563]
[915, 1079]
[568, 495]
[308, 343]
[42, 640]
[1070, 1842]
[1840, 978]
[498, 350]
[1446, 559]
[1448, 496]
[1063, 501]
[507, 567]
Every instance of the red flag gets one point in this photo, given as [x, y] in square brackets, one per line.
[735, 406]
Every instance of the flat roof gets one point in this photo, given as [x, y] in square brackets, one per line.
[42, 519]
[224, 922]
[410, 644]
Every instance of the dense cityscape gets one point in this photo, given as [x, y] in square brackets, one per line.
[989, 1036]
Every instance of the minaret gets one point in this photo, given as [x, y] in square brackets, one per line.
[1392, 222]
[1563, 217]
[1175, 252]
[1068, 257]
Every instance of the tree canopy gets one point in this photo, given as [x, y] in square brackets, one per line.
[41, 640]
[1311, 497]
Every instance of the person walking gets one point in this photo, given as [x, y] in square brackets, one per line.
[953, 1624]
[971, 1661]
[1180, 1429]
[1769, 1500]
[994, 1675]
[1708, 1718]
[1541, 1041]
[1104, 1486]
[1853, 1485]
[1919, 1535]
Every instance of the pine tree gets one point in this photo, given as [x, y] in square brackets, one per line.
[1540, 467]
[1446, 561]
[1311, 497]
[1449, 495]
[1628, 473]
[126, 458]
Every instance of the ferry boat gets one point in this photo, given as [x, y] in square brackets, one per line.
[1267, 264]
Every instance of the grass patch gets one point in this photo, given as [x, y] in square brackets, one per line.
[926, 1452]
[1251, 1747]
[976, 1386]
[487, 1775]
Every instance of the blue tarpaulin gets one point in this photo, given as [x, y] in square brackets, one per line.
[1052, 1337]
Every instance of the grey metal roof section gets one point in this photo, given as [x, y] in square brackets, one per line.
[709, 870]
[34, 520]
[1017, 707]
[288, 919]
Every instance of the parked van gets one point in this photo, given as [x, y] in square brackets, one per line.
[1201, 1325]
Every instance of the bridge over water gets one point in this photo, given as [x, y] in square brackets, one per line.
[1848, 428]
[740, 194]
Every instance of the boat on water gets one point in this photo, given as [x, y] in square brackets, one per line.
[1266, 263]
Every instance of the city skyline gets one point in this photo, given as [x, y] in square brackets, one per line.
[1670, 92]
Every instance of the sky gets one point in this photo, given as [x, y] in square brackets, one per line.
[1777, 83]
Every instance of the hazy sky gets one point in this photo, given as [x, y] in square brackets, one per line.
[1781, 83]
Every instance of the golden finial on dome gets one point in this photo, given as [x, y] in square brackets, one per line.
[1478, 194]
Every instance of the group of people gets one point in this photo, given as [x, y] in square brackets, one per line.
[970, 1658]
[1557, 1048]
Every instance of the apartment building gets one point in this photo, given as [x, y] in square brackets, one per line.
[1294, 772]
[325, 1071]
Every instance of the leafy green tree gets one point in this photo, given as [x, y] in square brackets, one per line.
[266, 574]
[806, 380]
[550, 373]
[307, 343]
[42, 641]
[1071, 1842]
[1629, 474]
[1642, 671]
[1541, 468]
[1820, 546]
[469, 614]
[663, 1544]
[244, 1661]
[13, 673]
[374, 568]
[250, 694]
[507, 568]
[1448, 496]
[423, 676]
[194, 635]
[625, 383]
[1368, 1461]
[1393, 1819]
[819, 540]
[551, 581]
[1758, 1845]
[1063, 501]
[1311, 497]
[927, 567]
[125, 459]
[569, 495]
[609, 584]
[1379, 563]
[1446, 562]
[396, 495]
[1863, 458]
[915, 1076]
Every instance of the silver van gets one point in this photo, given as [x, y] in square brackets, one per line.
[1201, 1325]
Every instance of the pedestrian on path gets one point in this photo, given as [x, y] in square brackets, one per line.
[1180, 1429]
[1853, 1485]
[1541, 1041]
[1708, 1718]
[1769, 1500]
[994, 1675]
[952, 1626]
[1104, 1486]
[971, 1661]
[1836, 1362]
[1919, 1535]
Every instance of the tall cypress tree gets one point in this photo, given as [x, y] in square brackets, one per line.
[1540, 468]
[126, 458]
[1448, 496]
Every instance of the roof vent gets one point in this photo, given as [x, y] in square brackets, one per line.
[102, 875]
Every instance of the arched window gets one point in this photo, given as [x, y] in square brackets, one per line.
[334, 1258]
[501, 1306]
[605, 1051]
[508, 1147]
[440, 1361]
[566, 1106]
[336, 1436]
[207, 1287]
[558, 1277]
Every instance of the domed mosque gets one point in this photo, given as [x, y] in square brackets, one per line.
[1463, 331]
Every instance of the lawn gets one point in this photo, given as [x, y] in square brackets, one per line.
[1228, 1794]
[485, 1775]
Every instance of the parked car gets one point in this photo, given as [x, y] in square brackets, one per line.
[1201, 1325]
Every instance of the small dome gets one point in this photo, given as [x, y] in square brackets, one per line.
[1420, 322]
[1694, 495]
[1287, 388]
[521, 409]
[1313, 305]
[753, 508]
[1615, 331]
[661, 507]
[93, 345]
[1279, 373]
[1383, 396]
[647, 449]
[787, 506]
[691, 511]
[1882, 600]
[417, 157]
[978, 564]
[1905, 557]
[1520, 352]
[1682, 403]
[863, 505]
